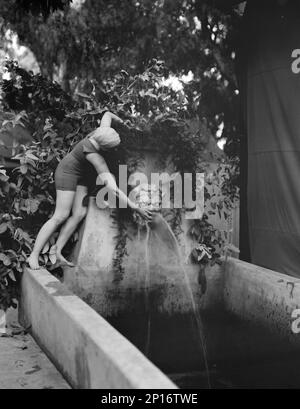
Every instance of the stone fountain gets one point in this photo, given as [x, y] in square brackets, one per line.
[132, 277]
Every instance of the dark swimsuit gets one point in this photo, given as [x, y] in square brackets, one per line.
[74, 169]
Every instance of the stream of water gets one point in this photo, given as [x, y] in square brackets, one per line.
[161, 228]
[147, 287]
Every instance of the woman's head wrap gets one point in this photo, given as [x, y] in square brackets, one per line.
[106, 137]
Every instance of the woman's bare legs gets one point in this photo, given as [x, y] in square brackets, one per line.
[64, 201]
[78, 214]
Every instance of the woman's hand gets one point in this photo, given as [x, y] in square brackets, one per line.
[144, 213]
[107, 119]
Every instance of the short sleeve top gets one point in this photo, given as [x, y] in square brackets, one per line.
[75, 162]
[82, 148]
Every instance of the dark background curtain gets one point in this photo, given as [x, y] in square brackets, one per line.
[271, 154]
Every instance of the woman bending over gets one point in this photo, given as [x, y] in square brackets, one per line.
[72, 178]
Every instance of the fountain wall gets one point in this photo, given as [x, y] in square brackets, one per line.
[137, 283]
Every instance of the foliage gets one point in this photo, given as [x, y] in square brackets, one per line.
[221, 196]
[98, 38]
[153, 113]
[27, 193]
[41, 7]
[26, 90]
[159, 115]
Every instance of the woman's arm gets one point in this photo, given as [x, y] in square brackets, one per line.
[101, 167]
[107, 119]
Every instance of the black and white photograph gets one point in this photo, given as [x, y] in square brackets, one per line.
[149, 197]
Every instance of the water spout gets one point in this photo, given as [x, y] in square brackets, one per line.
[148, 196]
[147, 291]
[161, 228]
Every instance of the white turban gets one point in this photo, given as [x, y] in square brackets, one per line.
[106, 137]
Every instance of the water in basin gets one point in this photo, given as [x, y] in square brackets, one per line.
[207, 349]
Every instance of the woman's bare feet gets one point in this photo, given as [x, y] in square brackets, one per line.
[62, 261]
[33, 261]
[57, 259]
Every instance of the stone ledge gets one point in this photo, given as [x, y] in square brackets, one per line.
[87, 350]
[262, 296]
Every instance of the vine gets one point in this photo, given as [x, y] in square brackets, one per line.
[154, 115]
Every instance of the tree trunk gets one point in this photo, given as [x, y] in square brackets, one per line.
[63, 75]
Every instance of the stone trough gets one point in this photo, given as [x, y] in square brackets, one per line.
[83, 346]
[247, 315]
[136, 313]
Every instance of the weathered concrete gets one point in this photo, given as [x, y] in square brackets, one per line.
[9, 322]
[24, 366]
[262, 296]
[2, 322]
[86, 349]
[99, 253]
[130, 277]
[246, 315]
[151, 290]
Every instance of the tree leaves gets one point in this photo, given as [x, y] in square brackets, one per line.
[46, 248]
[3, 176]
[31, 205]
[5, 259]
[3, 228]
[154, 114]
[42, 7]
[52, 258]
[23, 169]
